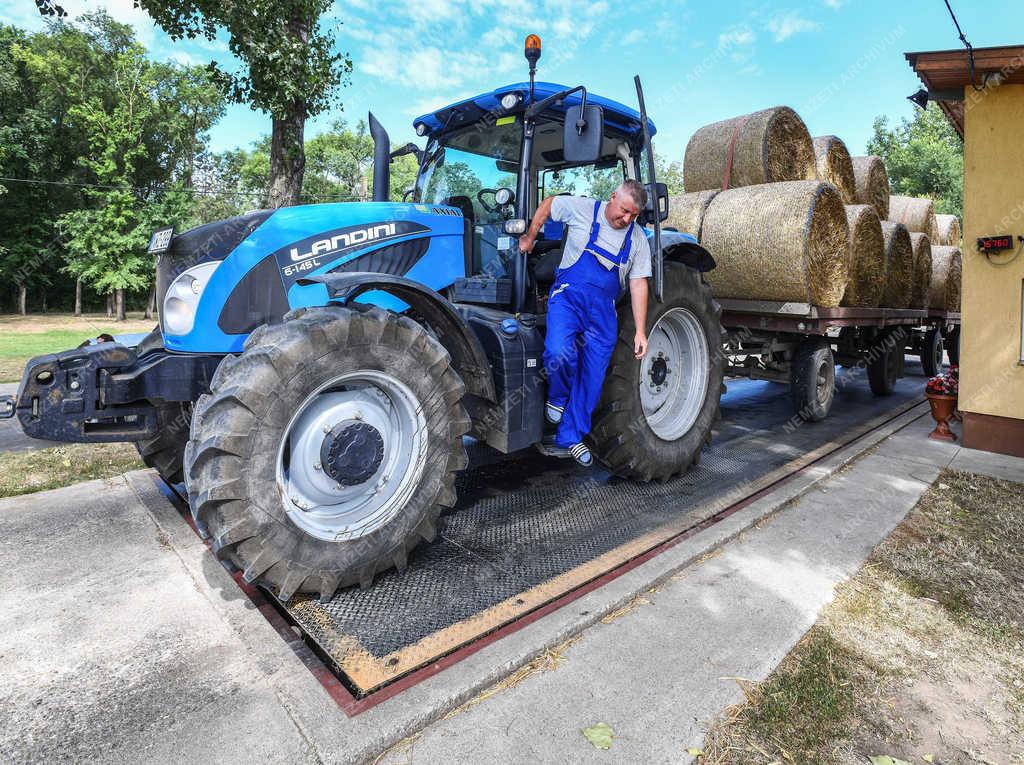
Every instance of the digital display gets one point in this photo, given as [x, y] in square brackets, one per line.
[995, 243]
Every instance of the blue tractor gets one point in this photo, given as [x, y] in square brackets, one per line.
[316, 368]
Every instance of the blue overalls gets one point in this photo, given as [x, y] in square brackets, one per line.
[581, 331]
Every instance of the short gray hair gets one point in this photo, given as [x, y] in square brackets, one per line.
[636, 190]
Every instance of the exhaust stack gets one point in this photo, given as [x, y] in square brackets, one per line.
[381, 160]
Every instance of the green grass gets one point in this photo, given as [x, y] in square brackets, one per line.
[23, 337]
[28, 472]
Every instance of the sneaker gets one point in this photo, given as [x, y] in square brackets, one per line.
[552, 413]
[581, 454]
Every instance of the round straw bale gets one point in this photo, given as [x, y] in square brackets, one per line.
[916, 213]
[867, 258]
[764, 147]
[779, 241]
[947, 231]
[834, 166]
[899, 265]
[872, 183]
[686, 211]
[946, 271]
[921, 283]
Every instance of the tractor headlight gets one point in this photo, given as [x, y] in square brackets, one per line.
[182, 299]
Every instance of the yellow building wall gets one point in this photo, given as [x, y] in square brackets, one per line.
[991, 375]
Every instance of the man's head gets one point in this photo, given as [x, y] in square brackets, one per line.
[626, 203]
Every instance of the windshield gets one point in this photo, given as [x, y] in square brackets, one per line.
[472, 164]
[594, 181]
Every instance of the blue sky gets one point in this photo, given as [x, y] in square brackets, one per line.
[839, 63]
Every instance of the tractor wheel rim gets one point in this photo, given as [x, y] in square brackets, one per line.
[674, 374]
[352, 455]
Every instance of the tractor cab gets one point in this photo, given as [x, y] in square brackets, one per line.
[476, 159]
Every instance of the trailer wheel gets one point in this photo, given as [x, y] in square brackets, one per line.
[886, 360]
[953, 345]
[324, 452]
[931, 352]
[165, 452]
[656, 415]
[813, 379]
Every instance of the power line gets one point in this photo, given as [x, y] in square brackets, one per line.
[970, 50]
[163, 189]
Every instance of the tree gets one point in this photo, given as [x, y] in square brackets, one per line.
[289, 71]
[924, 157]
[669, 173]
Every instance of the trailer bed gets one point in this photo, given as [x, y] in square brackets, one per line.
[807, 319]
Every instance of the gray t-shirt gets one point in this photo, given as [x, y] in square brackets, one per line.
[577, 213]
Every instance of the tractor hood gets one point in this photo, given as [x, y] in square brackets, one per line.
[257, 278]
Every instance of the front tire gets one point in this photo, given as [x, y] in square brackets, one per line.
[931, 352]
[656, 415]
[325, 451]
[813, 379]
[165, 452]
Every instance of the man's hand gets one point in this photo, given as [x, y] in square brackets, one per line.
[640, 344]
[526, 243]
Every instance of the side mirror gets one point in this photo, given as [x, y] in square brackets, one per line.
[657, 199]
[581, 136]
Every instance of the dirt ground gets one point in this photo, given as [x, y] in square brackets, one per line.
[920, 658]
[27, 472]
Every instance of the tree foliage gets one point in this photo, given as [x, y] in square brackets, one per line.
[924, 158]
[290, 68]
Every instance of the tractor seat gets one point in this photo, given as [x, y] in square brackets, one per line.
[465, 204]
[545, 266]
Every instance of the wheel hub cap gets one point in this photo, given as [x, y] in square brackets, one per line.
[659, 370]
[352, 452]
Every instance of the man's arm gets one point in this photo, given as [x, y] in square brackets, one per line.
[638, 299]
[527, 240]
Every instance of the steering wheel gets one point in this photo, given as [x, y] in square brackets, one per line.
[502, 198]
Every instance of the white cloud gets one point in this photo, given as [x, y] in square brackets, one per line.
[736, 37]
[785, 26]
[184, 58]
[834, 4]
[633, 37]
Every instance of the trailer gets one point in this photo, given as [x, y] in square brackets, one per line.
[799, 344]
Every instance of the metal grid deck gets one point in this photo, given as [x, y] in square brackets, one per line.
[529, 530]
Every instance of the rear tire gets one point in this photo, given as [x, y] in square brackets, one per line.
[931, 352]
[165, 452]
[953, 345]
[813, 379]
[886, 363]
[660, 432]
[300, 511]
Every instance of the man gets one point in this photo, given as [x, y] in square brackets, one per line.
[604, 246]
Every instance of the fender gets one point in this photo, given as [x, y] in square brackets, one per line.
[454, 334]
[684, 248]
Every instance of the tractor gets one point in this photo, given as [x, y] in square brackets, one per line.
[316, 369]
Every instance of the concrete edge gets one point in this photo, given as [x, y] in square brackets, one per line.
[433, 698]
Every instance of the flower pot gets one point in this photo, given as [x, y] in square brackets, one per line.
[942, 410]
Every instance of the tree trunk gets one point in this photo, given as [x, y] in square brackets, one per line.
[44, 301]
[151, 303]
[78, 296]
[110, 305]
[22, 300]
[119, 304]
[287, 157]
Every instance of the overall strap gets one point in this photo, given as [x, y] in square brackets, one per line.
[595, 227]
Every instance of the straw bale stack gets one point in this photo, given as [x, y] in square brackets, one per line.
[916, 213]
[872, 184]
[947, 231]
[834, 166]
[947, 267]
[764, 147]
[899, 268]
[867, 258]
[921, 283]
[686, 211]
[779, 241]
